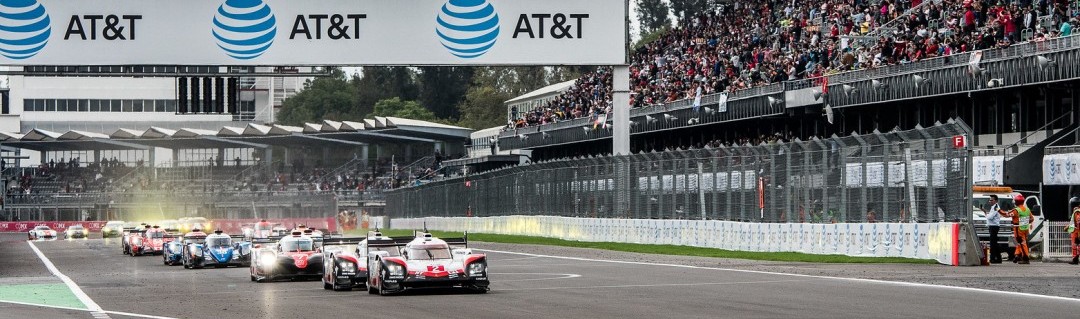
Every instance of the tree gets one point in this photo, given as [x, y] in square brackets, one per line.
[687, 9]
[442, 88]
[330, 97]
[395, 107]
[380, 83]
[653, 15]
[483, 108]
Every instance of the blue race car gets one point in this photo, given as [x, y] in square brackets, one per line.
[217, 250]
[172, 253]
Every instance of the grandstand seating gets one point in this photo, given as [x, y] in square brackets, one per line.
[749, 44]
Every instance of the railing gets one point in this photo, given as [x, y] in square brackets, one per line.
[903, 176]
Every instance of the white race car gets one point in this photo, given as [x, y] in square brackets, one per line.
[41, 232]
[425, 262]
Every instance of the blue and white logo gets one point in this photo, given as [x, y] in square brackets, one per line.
[245, 29]
[468, 28]
[24, 28]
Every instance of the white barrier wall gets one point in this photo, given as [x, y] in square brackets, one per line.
[938, 241]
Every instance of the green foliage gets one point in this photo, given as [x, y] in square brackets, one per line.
[653, 15]
[322, 98]
[442, 88]
[395, 107]
[483, 108]
[647, 38]
[686, 9]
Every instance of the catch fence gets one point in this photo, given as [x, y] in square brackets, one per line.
[918, 175]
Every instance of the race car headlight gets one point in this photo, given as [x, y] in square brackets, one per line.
[477, 269]
[395, 269]
[346, 266]
[267, 260]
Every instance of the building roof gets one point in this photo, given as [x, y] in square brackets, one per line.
[368, 131]
[554, 88]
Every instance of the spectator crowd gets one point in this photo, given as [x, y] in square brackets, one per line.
[746, 44]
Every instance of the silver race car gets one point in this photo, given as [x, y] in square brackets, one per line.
[425, 262]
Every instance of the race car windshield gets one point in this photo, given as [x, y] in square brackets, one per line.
[262, 227]
[155, 234]
[76, 227]
[296, 245]
[219, 242]
[41, 228]
[429, 254]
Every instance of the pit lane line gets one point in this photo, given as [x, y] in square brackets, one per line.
[91, 306]
[862, 280]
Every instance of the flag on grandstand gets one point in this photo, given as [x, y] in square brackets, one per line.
[697, 100]
[601, 122]
[824, 85]
[722, 105]
[973, 63]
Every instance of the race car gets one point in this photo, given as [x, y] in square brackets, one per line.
[217, 250]
[151, 242]
[132, 237]
[172, 252]
[189, 224]
[425, 262]
[248, 230]
[344, 261]
[77, 231]
[170, 226]
[263, 230]
[292, 257]
[112, 229]
[41, 232]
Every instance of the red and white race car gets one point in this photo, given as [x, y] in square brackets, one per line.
[425, 262]
[293, 257]
[149, 242]
[41, 232]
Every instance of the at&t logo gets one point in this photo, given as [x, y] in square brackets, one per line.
[468, 28]
[244, 29]
[24, 28]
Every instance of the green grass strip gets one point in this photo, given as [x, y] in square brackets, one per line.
[56, 294]
[665, 249]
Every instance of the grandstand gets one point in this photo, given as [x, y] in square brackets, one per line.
[234, 172]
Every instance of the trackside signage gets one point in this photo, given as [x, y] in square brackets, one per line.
[312, 32]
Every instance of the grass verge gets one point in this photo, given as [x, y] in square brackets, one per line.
[665, 249]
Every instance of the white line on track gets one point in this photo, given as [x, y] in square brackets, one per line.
[666, 285]
[875, 281]
[93, 313]
[556, 276]
[91, 306]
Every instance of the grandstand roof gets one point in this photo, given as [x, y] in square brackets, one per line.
[327, 133]
[554, 88]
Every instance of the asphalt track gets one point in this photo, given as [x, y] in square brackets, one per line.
[523, 286]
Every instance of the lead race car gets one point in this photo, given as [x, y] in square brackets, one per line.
[290, 257]
[425, 262]
[216, 250]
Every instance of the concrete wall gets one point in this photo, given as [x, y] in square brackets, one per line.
[937, 241]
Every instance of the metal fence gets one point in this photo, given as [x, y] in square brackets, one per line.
[1057, 243]
[903, 176]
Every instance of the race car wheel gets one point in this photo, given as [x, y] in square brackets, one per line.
[252, 277]
[371, 289]
[327, 286]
